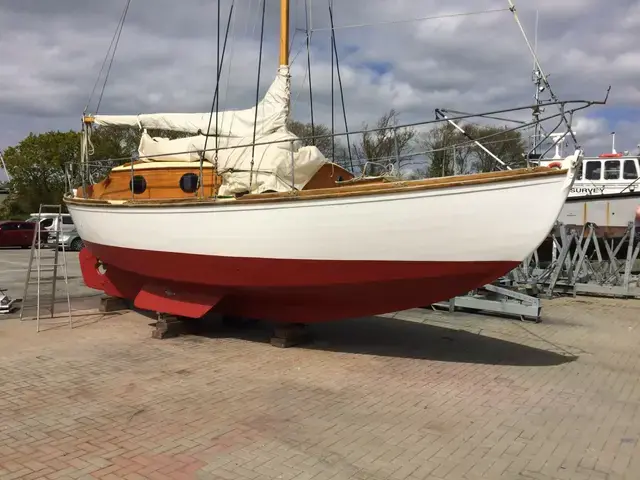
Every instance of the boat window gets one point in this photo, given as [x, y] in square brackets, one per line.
[67, 220]
[612, 170]
[138, 184]
[593, 170]
[189, 182]
[630, 171]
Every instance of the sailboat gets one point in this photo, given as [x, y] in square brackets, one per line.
[263, 227]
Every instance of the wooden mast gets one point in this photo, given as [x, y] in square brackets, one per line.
[284, 32]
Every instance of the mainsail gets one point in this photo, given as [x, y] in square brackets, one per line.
[273, 163]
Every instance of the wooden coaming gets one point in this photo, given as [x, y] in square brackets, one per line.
[329, 176]
[161, 183]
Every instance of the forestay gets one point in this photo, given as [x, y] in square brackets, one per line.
[273, 162]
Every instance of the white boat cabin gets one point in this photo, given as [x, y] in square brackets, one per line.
[608, 174]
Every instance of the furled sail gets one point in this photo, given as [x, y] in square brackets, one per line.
[276, 165]
[272, 115]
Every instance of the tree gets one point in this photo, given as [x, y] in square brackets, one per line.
[36, 167]
[37, 164]
[385, 145]
[377, 149]
[332, 148]
[451, 152]
[508, 146]
[305, 132]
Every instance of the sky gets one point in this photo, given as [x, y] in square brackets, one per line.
[51, 53]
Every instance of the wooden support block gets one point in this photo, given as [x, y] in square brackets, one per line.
[167, 326]
[112, 304]
[290, 335]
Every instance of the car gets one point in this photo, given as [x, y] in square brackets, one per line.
[53, 222]
[14, 233]
[71, 241]
[7, 304]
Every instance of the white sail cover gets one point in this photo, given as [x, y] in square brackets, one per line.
[272, 169]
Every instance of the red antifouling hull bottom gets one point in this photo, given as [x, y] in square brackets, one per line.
[280, 290]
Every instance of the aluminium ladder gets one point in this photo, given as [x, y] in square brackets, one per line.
[46, 264]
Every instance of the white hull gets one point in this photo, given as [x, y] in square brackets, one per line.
[500, 221]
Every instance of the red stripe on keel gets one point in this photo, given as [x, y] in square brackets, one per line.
[182, 302]
[285, 290]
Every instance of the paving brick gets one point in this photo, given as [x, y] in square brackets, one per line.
[423, 395]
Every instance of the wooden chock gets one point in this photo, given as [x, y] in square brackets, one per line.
[110, 304]
[290, 335]
[167, 326]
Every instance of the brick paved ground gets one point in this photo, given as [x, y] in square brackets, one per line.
[417, 397]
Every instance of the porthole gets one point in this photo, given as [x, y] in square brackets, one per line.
[189, 183]
[138, 184]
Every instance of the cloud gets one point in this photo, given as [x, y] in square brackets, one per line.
[52, 51]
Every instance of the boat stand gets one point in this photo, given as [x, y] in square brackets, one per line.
[580, 263]
[584, 263]
[496, 300]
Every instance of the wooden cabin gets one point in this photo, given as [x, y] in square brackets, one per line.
[174, 180]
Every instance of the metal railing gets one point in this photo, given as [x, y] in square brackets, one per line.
[90, 172]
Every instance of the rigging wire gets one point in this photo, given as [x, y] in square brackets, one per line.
[419, 19]
[307, 16]
[113, 56]
[333, 123]
[586, 104]
[233, 49]
[255, 118]
[230, 62]
[215, 103]
[216, 100]
[116, 35]
[344, 111]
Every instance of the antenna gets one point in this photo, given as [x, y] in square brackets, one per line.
[537, 80]
[535, 38]
[542, 80]
[613, 142]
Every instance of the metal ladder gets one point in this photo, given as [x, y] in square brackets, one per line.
[46, 264]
